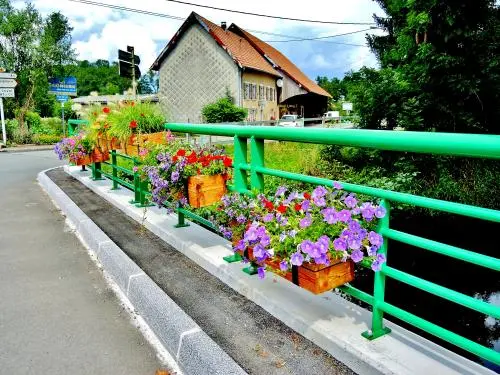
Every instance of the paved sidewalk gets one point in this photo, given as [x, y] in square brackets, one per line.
[57, 314]
[26, 148]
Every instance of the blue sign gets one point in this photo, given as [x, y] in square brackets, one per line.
[62, 98]
[62, 86]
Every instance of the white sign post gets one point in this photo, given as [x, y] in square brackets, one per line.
[7, 85]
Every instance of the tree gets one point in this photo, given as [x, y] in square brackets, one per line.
[223, 110]
[335, 87]
[149, 83]
[443, 58]
[100, 76]
[35, 48]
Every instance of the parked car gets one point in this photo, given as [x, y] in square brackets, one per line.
[290, 121]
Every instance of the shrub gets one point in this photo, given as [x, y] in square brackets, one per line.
[48, 126]
[33, 120]
[45, 139]
[223, 110]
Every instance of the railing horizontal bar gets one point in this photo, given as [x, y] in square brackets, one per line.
[196, 217]
[120, 181]
[441, 291]
[441, 248]
[356, 293]
[122, 169]
[415, 200]
[460, 341]
[471, 145]
[124, 156]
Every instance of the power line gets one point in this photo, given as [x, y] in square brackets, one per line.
[269, 16]
[319, 37]
[163, 15]
[134, 10]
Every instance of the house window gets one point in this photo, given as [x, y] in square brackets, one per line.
[246, 92]
[261, 92]
[268, 97]
[253, 91]
[252, 114]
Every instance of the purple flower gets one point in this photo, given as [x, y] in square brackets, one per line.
[354, 243]
[381, 258]
[356, 211]
[261, 272]
[292, 233]
[329, 215]
[305, 222]
[282, 220]
[354, 225]
[337, 185]
[251, 234]
[350, 201]
[265, 240]
[282, 236]
[357, 256]
[175, 176]
[375, 239]
[340, 244]
[280, 191]
[307, 246]
[322, 259]
[367, 211]
[380, 212]
[297, 259]
[267, 218]
[230, 212]
[319, 192]
[376, 265]
[241, 219]
[344, 216]
[284, 265]
[319, 201]
[323, 245]
[293, 195]
[226, 200]
[135, 169]
[305, 205]
[259, 251]
[372, 250]
[240, 246]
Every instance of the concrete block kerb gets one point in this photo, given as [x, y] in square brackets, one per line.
[168, 321]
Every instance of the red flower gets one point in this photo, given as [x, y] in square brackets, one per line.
[227, 162]
[281, 209]
[307, 195]
[192, 158]
[175, 158]
[181, 152]
[133, 124]
[106, 110]
[298, 206]
[268, 205]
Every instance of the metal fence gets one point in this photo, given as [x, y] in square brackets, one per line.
[249, 175]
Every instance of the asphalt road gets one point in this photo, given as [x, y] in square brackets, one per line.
[57, 314]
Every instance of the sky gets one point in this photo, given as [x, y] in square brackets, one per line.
[99, 32]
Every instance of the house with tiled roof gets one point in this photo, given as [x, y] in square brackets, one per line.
[204, 61]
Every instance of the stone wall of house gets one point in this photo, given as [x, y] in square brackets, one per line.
[197, 72]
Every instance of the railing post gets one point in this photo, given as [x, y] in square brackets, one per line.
[240, 157]
[137, 186]
[96, 171]
[257, 160]
[115, 171]
[143, 189]
[378, 328]
[181, 219]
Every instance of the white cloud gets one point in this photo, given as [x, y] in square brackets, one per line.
[99, 32]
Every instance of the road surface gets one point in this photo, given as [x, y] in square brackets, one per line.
[57, 314]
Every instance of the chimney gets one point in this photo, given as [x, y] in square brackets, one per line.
[223, 25]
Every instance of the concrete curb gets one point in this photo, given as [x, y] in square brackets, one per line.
[328, 320]
[27, 149]
[195, 352]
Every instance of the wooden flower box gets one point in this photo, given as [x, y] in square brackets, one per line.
[204, 190]
[143, 138]
[86, 160]
[98, 156]
[317, 278]
[114, 143]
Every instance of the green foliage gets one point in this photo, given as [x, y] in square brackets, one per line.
[33, 121]
[223, 110]
[334, 86]
[101, 76]
[68, 111]
[439, 68]
[149, 83]
[35, 48]
[45, 139]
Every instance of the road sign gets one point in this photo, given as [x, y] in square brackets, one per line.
[6, 92]
[347, 106]
[8, 75]
[125, 70]
[62, 86]
[11, 83]
[127, 56]
[62, 98]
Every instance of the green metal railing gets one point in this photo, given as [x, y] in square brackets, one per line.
[73, 126]
[249, 175]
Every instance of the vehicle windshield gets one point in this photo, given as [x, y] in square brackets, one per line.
[288, 118]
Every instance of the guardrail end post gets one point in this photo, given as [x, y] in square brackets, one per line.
[378, 328]
[181, 220]
[250, 270]
[233, 258]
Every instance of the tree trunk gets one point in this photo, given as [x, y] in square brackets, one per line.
[24, 109]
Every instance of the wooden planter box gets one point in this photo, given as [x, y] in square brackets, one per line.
[86, 160]
[318, 278]
[102, 142]
[114, 143]
[99, 156]
[130, 150]
[205, 190]
[142, 139]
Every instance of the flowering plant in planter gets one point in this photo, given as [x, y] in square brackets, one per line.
[319, 228]
[233, 214]
[74, 148]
